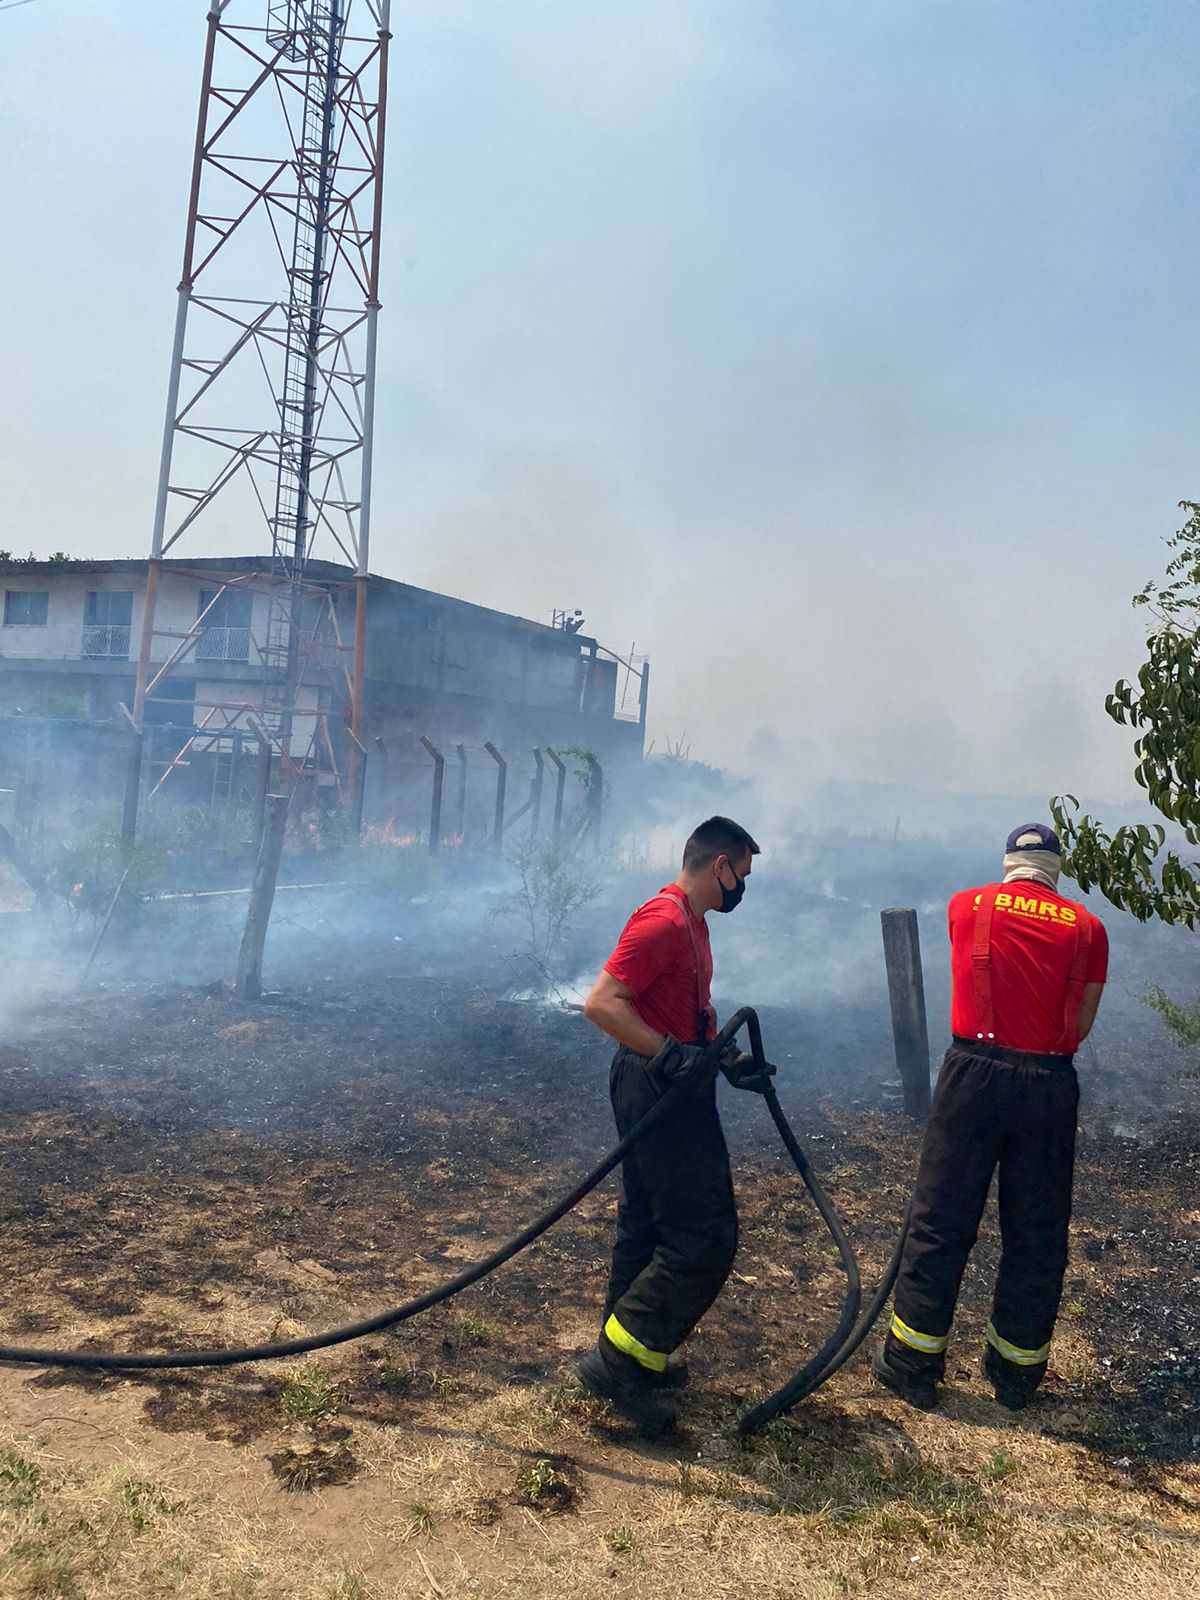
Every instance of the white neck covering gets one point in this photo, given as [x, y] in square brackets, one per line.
[1043, 866]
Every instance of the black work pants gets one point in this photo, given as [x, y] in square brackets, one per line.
[676, 1218]
[993, 1108]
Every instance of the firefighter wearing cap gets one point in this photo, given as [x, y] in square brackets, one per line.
[1028, 967]
[676, 1219]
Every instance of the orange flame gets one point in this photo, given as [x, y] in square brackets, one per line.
[385, 833]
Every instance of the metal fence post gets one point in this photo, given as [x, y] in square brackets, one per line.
[560, 783]
[501, 785]
[595, 798]
[435, 809]
[461, 807]
[535, 794]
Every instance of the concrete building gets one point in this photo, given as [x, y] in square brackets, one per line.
[454, 672]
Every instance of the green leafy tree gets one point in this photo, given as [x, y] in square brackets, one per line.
[1132, 866]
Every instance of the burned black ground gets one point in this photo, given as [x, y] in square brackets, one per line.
[184, 1169]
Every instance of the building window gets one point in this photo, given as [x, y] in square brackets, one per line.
[107, 618]
[226, 635]
[26, 608]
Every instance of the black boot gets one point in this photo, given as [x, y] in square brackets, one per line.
[609, 1374]
[1012, 1392]
[677, 1375]
[914, 1388]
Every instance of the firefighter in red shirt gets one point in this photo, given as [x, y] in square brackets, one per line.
[676, 1218]
[1028, 966]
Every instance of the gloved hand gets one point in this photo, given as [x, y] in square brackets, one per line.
[743, 1072]
[680, 1061]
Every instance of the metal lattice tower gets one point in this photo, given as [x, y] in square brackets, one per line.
[268, 433]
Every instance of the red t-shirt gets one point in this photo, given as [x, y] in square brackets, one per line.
[1034, 934]
[655, 959]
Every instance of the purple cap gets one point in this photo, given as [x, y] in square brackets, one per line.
[1033, 836]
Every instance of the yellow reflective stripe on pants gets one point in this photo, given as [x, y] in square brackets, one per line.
[655, 1360]
[1014, 1352]
[930, 1344]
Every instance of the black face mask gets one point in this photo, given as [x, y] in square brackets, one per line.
[731, 897]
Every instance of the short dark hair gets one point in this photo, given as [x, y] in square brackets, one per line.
[719, 836]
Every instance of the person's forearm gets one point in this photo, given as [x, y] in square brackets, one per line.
[618, 1019]
[1089, 1008]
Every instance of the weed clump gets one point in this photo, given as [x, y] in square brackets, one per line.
[475, 1330]
[550, 1484]
[419, 1517]
[621, 1541]
[143, 1501]
[20, 1481]
[309, 1395]
[316, 1467]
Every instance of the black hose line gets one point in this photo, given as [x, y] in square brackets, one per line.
[836, 1350]
[235, 1355]
[834, 1353]
[794, 1390]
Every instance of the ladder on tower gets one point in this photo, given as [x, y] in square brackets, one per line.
[312, 32]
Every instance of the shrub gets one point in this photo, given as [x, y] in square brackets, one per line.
[553, 887]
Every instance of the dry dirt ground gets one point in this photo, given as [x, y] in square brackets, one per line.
[180, 1168]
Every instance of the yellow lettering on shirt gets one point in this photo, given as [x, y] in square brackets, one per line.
[1033, 908]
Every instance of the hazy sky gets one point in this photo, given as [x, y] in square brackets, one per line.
[841, 356]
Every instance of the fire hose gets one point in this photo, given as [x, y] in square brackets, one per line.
[837, 1349]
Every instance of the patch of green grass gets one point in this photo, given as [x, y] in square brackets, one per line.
[420, 1516]
[20, 1481]
[142, 1501]
[998, 1466]
[441, 1383]
[475, 1330]
[621, 1541]
[309, 1395]
[565, 1401]
[879, 1486]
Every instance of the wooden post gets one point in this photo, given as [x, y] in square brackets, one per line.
[435, 809]
[560, 783]
[906, 992]
[535, 794]
[262, 788]
[262, 896]
[501, 784]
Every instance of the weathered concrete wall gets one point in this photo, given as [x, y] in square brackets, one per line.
[456, 672]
